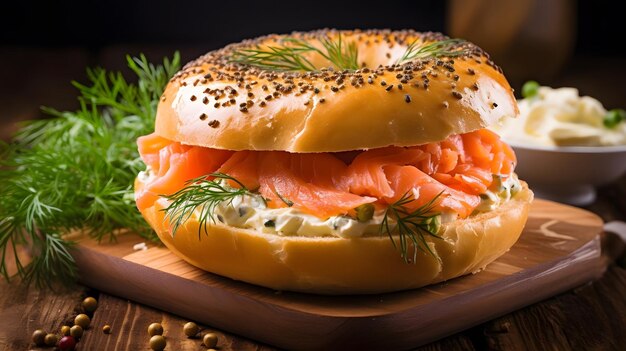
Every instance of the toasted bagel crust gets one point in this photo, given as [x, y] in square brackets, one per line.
[216, 103]
[331, 265]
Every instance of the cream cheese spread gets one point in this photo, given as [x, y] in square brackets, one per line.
[251, 212]
[561, 117]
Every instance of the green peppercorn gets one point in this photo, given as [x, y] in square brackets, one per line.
[210, 340]
[76, 331]
[530, 89]
[38, 337]
[364, 212]
[50, 340]
[190, 329]
[157, 342]
[155, 329]
[106, 329]
[90, 304]
[65, 330]
[82, 320]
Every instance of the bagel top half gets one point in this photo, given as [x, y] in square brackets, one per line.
[218, 102]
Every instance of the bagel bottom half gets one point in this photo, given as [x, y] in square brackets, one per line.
[332, 265]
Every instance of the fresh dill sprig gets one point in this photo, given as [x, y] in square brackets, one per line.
[411, 226]
[419, 50]
[75, 170]
[203, 194]
[289, 56]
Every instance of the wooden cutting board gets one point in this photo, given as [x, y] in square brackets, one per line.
[559, 250]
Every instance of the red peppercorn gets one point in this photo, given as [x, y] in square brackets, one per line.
[67, 343]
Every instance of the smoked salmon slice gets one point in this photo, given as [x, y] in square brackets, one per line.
[459, 169]
[287, 178]
[173, 164]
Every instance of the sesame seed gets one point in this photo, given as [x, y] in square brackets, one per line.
[457, 95]
[192, 98]
[214, 123]
[203, 116]
[407, 98]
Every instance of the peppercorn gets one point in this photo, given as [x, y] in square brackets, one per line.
[155, 329]
[38, 337]
[190, 329]
[210, 340]
[50, 340]
[157, 343]
[106, 329]
[67, 343]
[65, 330]
[90, 304]
[76, 331]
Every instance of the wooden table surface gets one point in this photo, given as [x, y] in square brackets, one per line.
[592, 316]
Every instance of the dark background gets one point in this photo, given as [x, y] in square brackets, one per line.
[45, 45]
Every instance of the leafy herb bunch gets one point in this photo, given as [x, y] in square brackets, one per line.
[74, 171]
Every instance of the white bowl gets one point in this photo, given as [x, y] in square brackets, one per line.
[569, 174]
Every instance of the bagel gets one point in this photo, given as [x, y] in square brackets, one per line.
[335, 162]
[331, 265]
[378, 105]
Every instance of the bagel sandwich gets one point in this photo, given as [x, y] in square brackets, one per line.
[335, 162]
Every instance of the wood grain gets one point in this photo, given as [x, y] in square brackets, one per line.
[129, 323]
[559, 249]
[591, 317]
[23, 310]
[581, 316]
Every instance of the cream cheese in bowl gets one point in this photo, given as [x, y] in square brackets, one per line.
[566, 143]
[561, 117]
